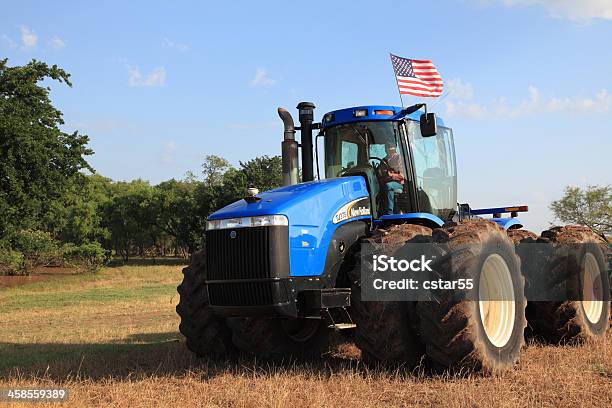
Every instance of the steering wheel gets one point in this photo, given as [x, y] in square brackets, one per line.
[382, 167]
[381, 162]
[376, 158]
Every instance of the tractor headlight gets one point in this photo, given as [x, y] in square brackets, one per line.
[244, 222]
[212, 225]
[265, 220]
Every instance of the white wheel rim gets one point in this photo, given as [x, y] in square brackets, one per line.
[591, 289]
[497, 315]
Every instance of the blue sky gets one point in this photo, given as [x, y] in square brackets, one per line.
[159, 86]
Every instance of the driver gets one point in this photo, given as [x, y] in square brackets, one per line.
[392, 175]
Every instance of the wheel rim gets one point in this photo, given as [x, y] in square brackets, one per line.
[591, 289]
[300, 330]
[497, 315]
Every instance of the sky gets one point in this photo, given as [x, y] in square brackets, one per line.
[158, 86]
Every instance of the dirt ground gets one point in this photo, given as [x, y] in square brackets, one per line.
[112, 340]
[38, 275]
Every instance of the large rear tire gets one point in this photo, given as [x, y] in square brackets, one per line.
[487, 334]
[206, 334]
[576, 270]
[385, 331]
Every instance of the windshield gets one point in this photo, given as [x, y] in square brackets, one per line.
[434, 167]
[360, 144]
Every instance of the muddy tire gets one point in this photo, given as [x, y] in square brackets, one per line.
[469, 334]
[280, 339]
[385, 331]
[521, 236]
[577, 270]
[206, 333]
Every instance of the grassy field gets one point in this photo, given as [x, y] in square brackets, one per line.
[112, 340]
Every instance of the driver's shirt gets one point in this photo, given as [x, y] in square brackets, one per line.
[394, 162]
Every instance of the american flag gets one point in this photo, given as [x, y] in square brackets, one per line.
[417, 77]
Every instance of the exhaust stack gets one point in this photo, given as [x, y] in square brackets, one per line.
[289, 148]
[306, 116]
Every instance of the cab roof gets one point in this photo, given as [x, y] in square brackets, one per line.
[369, 113]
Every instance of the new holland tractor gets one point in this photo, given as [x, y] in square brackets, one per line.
[283, 268]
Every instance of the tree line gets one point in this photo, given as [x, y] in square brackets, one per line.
[53, 203]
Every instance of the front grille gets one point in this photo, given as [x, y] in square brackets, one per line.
[246, 293]
[252, 253]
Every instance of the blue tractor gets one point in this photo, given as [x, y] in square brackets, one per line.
[283, 268]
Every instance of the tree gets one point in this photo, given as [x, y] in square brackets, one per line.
[263, 172]
[591, 207]
[130, 218]
[39, 161]
[213, 169]
[176, 213]
[77, 217]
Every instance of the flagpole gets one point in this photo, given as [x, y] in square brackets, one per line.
[442, 98]
[396, 83]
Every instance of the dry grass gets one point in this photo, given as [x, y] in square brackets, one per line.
[112, 340]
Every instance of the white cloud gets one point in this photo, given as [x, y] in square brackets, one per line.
[28, 38]
[5, 39]
[168, 153]
[157, 77]
[57, 43]
[261, 78]
[576, 10]
[459, 89]
[534, 104]
[169, 44]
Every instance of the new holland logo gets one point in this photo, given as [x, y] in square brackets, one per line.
[232, 234]
[355, 208]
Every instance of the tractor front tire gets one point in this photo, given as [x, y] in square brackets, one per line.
[385, 331]
[206, 334]
[280, 339]
[486, 332]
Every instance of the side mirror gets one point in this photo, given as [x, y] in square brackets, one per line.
[429, 126]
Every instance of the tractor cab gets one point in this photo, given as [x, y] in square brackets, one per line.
[409, 166]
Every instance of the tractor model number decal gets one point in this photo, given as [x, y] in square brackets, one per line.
[355, 208]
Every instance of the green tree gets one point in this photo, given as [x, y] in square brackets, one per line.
[263, 172]
[176, 213]
[213, 169]
[591, 207]
[77, 217]
[39, 161]
[130, 218]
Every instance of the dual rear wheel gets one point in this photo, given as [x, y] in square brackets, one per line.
[569, 285]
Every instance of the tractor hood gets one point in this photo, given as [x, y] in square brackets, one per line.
[314, 209]
[305, 204]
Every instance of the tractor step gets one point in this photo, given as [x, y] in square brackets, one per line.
[319, 299]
